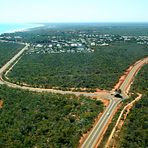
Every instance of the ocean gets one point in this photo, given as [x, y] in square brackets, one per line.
[8, 28]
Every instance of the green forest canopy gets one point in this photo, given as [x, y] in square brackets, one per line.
[8, 50]
[100, 69]
[44, 119]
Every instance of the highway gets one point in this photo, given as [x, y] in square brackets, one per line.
[9, 63]
[129, 78]
[95, 134]
[97, 130]
[126, 108]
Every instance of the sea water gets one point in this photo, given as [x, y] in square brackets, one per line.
[8, 28]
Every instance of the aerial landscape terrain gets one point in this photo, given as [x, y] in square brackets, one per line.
[60, 80]
[74, 74]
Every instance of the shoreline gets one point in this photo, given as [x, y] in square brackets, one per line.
[23, 29]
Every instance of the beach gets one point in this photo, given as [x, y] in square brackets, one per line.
[11, 28]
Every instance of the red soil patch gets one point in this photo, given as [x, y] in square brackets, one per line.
[99, 90]
[122, 78]
[120, 124]
[1, 104]
[105, 102]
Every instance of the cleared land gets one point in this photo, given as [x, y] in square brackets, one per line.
[100, 69]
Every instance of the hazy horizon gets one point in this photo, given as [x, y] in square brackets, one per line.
[43, 23]
[70, 11]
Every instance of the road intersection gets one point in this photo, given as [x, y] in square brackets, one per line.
[97, 130]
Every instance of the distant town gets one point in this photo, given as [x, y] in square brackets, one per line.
[72, 41]
[77, 78]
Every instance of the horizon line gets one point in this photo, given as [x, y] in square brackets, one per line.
[66, 22]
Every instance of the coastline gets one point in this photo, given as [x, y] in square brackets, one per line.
[23, 29]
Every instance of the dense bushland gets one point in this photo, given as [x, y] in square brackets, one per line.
[100, 69]
[8, 50]
[44, 119]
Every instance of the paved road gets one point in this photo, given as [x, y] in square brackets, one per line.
[126, 83]
[87, 94]
[96, 132]
[12, 63]
[9, 63]
[127, 107]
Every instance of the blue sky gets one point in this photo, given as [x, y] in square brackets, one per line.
[73, 11]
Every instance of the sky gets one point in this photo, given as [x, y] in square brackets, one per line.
[36, 11]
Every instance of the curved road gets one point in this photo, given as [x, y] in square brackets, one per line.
[97, 130]
[125, 86]
[10, 64]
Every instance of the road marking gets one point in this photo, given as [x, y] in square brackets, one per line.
[101, 120]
